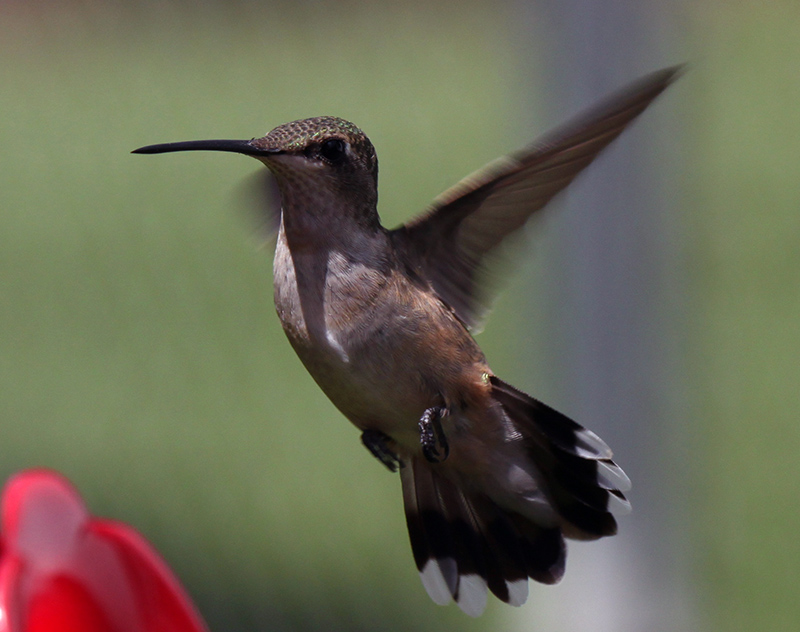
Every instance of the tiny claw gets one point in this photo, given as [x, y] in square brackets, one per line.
[431, 433]
[377, 443]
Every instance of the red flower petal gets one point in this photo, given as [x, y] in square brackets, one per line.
[62, 570]
[64, 605]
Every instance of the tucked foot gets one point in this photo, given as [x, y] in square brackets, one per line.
[377, 443]
[431, 435]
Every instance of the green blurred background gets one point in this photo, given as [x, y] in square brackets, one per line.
[140, 355]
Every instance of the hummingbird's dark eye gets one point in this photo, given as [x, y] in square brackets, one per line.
[332, 150]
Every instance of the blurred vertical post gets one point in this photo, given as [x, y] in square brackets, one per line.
[611, 302]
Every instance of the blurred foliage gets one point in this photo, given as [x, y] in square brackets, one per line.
[744, 214]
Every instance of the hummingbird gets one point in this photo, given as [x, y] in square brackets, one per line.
[493, 480]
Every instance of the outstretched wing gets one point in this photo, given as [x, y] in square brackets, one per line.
[448, 244]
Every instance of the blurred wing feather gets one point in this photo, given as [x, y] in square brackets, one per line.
[260, 199]
[448, 244]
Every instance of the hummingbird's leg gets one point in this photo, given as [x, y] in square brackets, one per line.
[431, 433]
[376, 442]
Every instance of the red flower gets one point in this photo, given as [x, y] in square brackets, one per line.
[61, 570]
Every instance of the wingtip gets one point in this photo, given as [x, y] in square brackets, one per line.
[653, 84]
[662, 79]
[677, 71]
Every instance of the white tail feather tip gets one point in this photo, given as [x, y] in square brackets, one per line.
[433, 579]
[589, 446]
[611, 476]
[618, 506]
[517, 592]
[472, 594]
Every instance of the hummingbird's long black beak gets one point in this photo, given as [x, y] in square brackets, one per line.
[237, 146]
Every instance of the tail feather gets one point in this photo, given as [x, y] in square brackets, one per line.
[429, 534]
[580, 479]
[559, 430]
[544, 550]
[464, 544]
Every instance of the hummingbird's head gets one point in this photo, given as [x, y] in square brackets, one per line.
[323, 160]
[323, 163]
[325, 145]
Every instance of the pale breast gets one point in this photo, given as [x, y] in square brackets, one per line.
[371, 341]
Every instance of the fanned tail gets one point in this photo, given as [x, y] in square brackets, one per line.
[465, 543]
